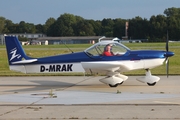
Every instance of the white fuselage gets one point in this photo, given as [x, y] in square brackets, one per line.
[98, 66]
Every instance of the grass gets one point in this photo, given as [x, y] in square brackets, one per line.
[48, 50]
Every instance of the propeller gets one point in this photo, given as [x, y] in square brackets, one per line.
[167, 60]
[167, 67]
[167, 41]
[167, 55]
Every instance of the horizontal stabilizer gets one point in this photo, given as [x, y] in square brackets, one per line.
[25, 61]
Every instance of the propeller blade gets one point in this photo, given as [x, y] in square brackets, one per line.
[167, 41]
[167, 67]
[167, 55]
[166, 60]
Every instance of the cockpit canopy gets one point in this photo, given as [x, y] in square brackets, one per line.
[98, 48]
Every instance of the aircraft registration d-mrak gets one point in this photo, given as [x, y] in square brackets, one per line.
[91, 60]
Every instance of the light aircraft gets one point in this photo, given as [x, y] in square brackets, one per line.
[91, 60]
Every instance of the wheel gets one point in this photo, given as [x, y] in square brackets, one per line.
[151, 84]
[113, 85]
[120, 83]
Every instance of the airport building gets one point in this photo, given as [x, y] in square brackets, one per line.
[2, 39]
[26, 35]
[42, 39]
[69, 40]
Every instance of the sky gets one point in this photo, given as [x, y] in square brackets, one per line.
[38, 11]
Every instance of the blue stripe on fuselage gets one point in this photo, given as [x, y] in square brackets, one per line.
[66, 58]
[83, 57]
[148, 54]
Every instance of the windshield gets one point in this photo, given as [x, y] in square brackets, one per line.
[99, 48]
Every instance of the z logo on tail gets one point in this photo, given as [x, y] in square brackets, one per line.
[14, 55]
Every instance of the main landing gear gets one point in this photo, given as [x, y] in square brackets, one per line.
[149, 79]
[113, 79]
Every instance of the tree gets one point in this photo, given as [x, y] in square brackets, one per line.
[172, 12]
[84, 28]
[23, 39]
[8, 26]
[22, 28]
[76, 27]
[40, 28]
[64, 25]
[173, 22]
[31, 28]
[138, 28]
[174, 28]
[96, 27]
[107, 27]
[158, 28]
[119, 28]
[2, 24]
[26, 28]
[48, 26]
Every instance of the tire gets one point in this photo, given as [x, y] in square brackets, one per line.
[113, 85]
[120, 83]
[151, 84]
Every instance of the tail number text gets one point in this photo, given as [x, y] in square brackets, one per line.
[56, 68]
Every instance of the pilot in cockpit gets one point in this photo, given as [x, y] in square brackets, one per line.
[108, 50]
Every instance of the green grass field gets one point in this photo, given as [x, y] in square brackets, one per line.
[43, 50]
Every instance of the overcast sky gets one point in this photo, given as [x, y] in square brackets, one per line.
[38, 11]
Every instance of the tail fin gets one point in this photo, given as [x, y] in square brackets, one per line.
[14, 49]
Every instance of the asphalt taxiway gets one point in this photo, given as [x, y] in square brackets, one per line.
[81, 97]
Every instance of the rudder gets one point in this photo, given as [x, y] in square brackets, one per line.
[14, 49]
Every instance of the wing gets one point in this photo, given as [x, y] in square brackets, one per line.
[111, 68]
[103, 66]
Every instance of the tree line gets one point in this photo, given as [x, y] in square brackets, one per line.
[154, 29]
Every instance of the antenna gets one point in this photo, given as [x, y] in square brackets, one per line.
[67, 46]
